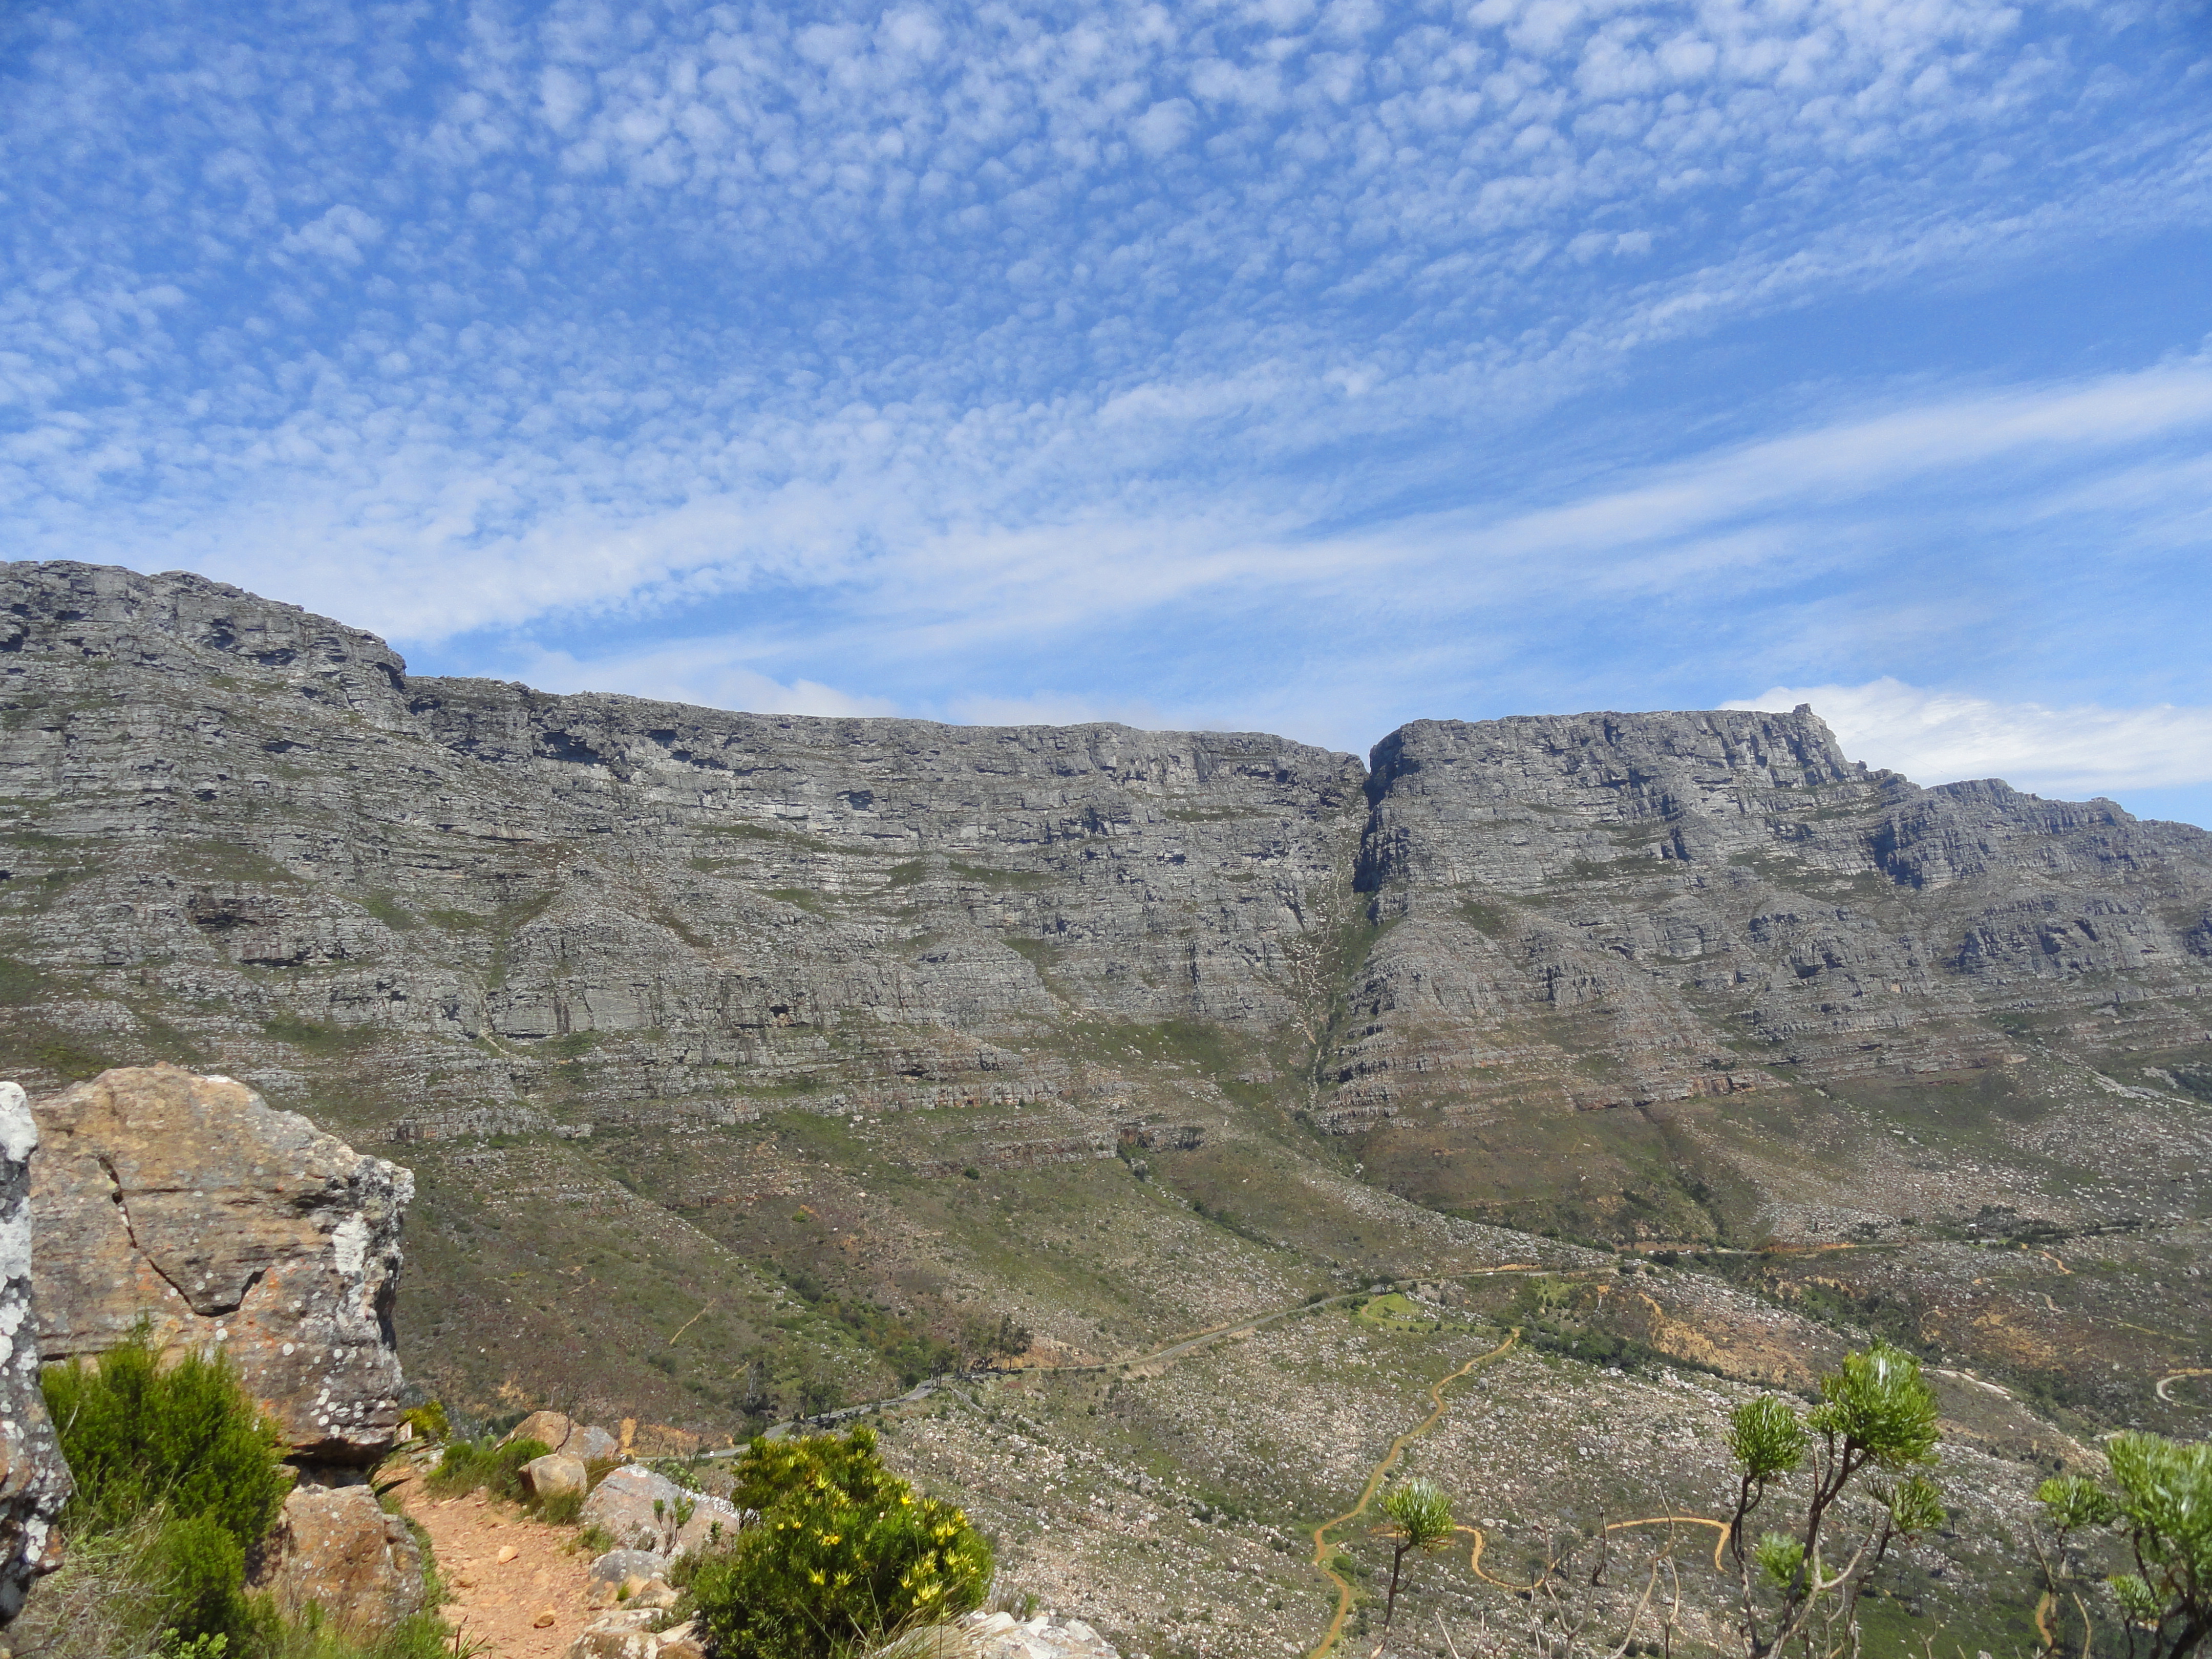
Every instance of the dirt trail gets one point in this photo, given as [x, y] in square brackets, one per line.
[1720, 1542]
[497, 1603]
[1344, 1594]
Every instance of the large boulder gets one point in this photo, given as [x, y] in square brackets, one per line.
[185, 1200]
[617, 1570]
[627, 1633]
[561, 1433]
[555, 1474]
[335, 1546]
[1047, 1636]
[638, 1510]
[641, 1511]
[33, 1481]
[708, 1523]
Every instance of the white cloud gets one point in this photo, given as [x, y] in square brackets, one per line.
[1062, 708]
[339, 234]
[1943, 737]
[702, 672]
[937, 329]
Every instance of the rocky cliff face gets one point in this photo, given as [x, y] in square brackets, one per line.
[183, 1200]
[35, 1483]
[1555, 971]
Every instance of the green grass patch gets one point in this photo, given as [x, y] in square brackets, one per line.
[1013, 878]
[20, 984]
[387, 910]
[317, 1037]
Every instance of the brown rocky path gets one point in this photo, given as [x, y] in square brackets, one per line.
[496, 1604]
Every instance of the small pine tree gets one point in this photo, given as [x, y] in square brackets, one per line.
[1420, 1519]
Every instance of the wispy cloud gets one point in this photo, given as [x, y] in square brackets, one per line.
[1939, 737]
[696, 671]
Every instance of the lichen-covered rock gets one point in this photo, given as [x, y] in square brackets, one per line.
[33, 1481]
[610, 1572]
[637, 1508]
[335, 1546]
[186, 1200]
[626, 1634]
[1047, 1636]
[706, 1522]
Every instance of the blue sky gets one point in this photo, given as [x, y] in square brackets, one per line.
[1299, 366]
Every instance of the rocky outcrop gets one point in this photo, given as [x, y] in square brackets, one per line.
[335, 1548]
[35, 1483]
[1047, 1636]
[565, 1436]
[639, 1510]
[186, 1201]
[629, 1633]
[622, 1576]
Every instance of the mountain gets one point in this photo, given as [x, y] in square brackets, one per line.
[817, 1049]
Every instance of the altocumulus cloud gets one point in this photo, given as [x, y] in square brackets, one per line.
[1307, 365]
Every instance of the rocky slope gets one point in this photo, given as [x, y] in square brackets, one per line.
[802, 1035]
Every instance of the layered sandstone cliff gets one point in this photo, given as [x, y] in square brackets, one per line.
[1508, 967]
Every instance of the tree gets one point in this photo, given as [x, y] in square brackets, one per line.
[817, 1389]
[1421, 1519]
[1877, 1413]
[2163, 1514]
[987, 1343]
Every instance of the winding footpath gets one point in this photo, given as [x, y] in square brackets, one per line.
[1344, 1595]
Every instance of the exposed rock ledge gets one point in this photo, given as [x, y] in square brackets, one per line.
[186, 1200]
[34, 1482]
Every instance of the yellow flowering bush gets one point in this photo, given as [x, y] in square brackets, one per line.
[845, 1553]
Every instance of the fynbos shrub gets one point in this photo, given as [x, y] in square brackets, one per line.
[846, 1553]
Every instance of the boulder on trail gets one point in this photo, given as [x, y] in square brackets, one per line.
[555, 1474]
[616, 1568]
[712, 1523]
[628, 1633]
[637, 1509]
[562, 1433]
[335, 1546]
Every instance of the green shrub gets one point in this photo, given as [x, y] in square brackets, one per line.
[470, 1466]
[199, 1569]
[428, 1421]
[845, 1555]
[562, 1509]
[137, 1435]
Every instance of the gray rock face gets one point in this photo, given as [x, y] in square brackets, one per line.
[611, 1572]
[185, 1200]
[1655, 889]
[35, 1483]
[1000, 1636]
[639, 1510]
[231, 825]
